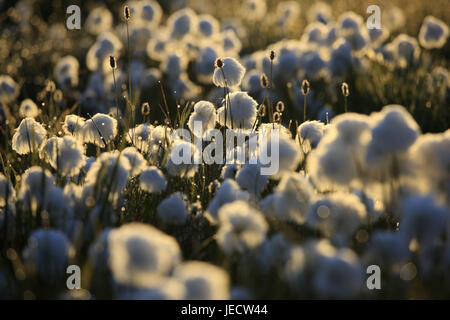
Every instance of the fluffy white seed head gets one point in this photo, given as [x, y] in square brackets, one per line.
[242, 227]
[73, 124]
[28, 136]
[173, 209]
[64, 154]
[338, 214]
[204, 116]
[100, 128]
[394, 130]
[47, 255]
[152, 180]
[230, 74]
[229, 191]
[139, 253]
[28, 109]
[203, 281]
[433, 34]
[241, 111]
[9, 89]
[137, 161]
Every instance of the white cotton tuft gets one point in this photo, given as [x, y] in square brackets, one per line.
[230, 75]
[139, 253]
[28, 136]
[335, 161]
[423, 220]
[340, 58]
[266, 129]
[66, 72]
[432, 153]
[229, 171]
[204, 63]
[406, 50]
[203, 118]
[203, 281]
[9, 89]
[433, 34]
[181, 23]
[73, 124]
[107, 44]
[173, 209]
[174, 65]
[388, 247]
[309, 134]
[339, 277]
[250, 179]
[112, 168]
[290, 200]
[98, 130]
[28, 109]
[331, 167]
[47, 255]
[242, 227]
[229, 191]
[337, 215]
[229, 43]
[65, 154]
[140, 136]
[151, 12]
[352, 130]
[182, 158]
[35, 184]
[152, 180]
[273, 252]
[100, 19]
[184, 89]
[160, 135]
[137, 161]
[394, 130]
[352, 28]
[159, 45]
[241, 111]
[289, 155]
[207, 25]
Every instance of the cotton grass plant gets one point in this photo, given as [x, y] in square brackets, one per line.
[89, 154]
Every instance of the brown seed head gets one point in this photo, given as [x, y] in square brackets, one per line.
[262, 110]
[264, 80]
[112, 62]
[126, 13]
[345, 89]
[276, 117]
[219, 63]
[280, 106]
[145, 109]
[272, 55]
[305, 87]
[58, 95]
[50, 86]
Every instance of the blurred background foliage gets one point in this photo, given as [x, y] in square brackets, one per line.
[29, 53]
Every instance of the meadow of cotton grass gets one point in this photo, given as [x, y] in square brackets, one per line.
[88, 171]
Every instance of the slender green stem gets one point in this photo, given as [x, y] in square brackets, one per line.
[130, 98]
[115, 94]
[270, 86]
[304, 108]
